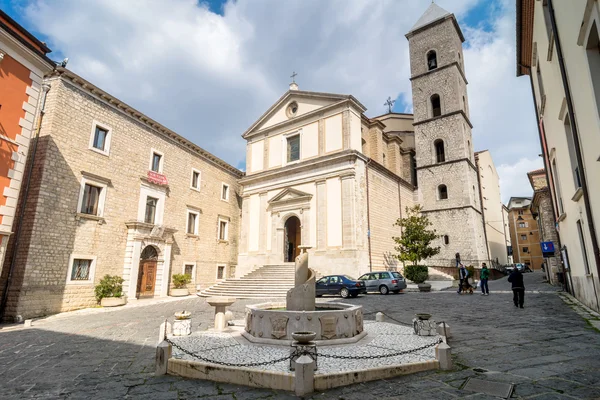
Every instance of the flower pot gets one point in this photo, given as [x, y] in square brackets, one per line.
[180, 292]
[424, 287]
[113, 301]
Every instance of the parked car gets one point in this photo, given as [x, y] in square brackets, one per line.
[383, 281]
[343, 285]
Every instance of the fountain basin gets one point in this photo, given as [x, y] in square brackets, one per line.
[331, 322]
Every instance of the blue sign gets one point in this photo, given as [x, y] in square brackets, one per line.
[547, 247]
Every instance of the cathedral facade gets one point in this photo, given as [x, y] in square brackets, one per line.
[321, 174]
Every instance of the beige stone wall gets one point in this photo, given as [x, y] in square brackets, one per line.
[388, 199]
[53, 229]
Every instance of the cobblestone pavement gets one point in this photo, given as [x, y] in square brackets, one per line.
[547, 349]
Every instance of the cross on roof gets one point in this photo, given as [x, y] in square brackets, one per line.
[390, 103]
[293, 76]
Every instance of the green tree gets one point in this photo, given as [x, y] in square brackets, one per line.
[415, 243]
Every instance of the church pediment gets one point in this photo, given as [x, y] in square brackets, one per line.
[289, 195]
[296, 103]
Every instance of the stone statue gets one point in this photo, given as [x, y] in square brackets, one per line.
[302, 296]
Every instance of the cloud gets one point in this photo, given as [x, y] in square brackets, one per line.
[513, 178]
[209, 76]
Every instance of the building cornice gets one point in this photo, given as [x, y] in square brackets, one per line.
[450, 114]
[468, 161]
[453, 63]
[116, 104]
[451, 208]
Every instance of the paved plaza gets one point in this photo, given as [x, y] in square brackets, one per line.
[549, 349]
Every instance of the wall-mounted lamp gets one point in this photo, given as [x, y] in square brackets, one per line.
[1, 56]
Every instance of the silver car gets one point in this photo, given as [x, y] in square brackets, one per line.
[383, 281]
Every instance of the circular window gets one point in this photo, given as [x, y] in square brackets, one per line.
[292, 109]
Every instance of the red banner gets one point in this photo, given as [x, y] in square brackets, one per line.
[155, 177]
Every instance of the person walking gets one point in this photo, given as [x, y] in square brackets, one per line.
[457, 257]
[518, 287]
[462, 276]
[485, 274]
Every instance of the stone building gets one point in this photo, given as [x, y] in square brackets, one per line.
[23, 63]
[541, 209]
[524, 233]
[114, 192]
[321, 174]
[558, 47]
[493, 209]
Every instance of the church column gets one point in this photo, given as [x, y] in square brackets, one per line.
[164, 288]
[321, 215]
[348, 225]
[321, 137]
[262, 224]
[346, 130]
[245, 223]
[305, 232]
[135, 268]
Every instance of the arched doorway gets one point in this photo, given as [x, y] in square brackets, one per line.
[292, 239]
[147, 272]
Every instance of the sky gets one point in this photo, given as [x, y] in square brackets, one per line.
[209, 69]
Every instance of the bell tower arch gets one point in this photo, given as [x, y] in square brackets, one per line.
[446, 170]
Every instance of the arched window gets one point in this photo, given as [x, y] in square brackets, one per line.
[363, 143]
[431, 60]
[440, 156]
[436, 105]
[446, 239]
[442, 192]
[464, 103]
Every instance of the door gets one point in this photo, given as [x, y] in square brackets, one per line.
[292, 239]
[321, 286]
[334, 285]
[146, 279]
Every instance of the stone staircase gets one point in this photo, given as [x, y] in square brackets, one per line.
[268, 281]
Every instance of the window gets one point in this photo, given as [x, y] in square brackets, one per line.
[195, 183]
[431, 60]
[190, 269]
[220, 272]
[593, 55]
[520, 212]
[81, 269]
[223, 230]
[523, 237]
[572, 153]
[100, 138]
[583, 247]
[525, 249]
[91, 199]
[413, 167]
[150, 213]
[436, 106]
[292, 109]
[383, 160]
[547, 21]
[225, 192]
[293, 148]
[523, 224]
[446, 239]
[440, 156]
[464, 103]
[192, 223]
[442, 192]
[542, 99]
[558, 192]
[156, 162]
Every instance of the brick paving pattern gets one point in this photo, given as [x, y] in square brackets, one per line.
[547, 349]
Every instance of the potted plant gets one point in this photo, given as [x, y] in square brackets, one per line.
[418, 274]
[109, 292]
[415, 245]
[180, 282]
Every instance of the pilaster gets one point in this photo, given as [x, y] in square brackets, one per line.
[346, 130]
[321, 137]
[321, 215]
[348, 223]
[262, 223]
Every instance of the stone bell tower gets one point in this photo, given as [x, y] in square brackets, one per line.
[446, 173]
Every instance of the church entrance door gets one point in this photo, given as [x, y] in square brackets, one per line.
[292, 239]
[147, 273]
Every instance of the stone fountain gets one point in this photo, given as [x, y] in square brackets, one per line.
[275, 322]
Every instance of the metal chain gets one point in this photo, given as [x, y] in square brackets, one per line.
[228, 364]
[390, 317]
[400, 353]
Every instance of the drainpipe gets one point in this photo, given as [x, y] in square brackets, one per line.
[368, 216]
[549, 178]
[584, 186]
[13, 258]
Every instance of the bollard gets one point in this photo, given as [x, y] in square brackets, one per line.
[163, 353]
[443, 329]
[164, 331]
[228, 316]
[28, 323]
[304, 379]
[444, 356]
[379, 317]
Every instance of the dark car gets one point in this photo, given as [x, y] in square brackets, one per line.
[384, 281]
[343, 285]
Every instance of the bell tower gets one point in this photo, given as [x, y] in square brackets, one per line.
[446, 173]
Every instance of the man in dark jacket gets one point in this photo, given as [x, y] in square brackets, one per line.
[518, 288]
